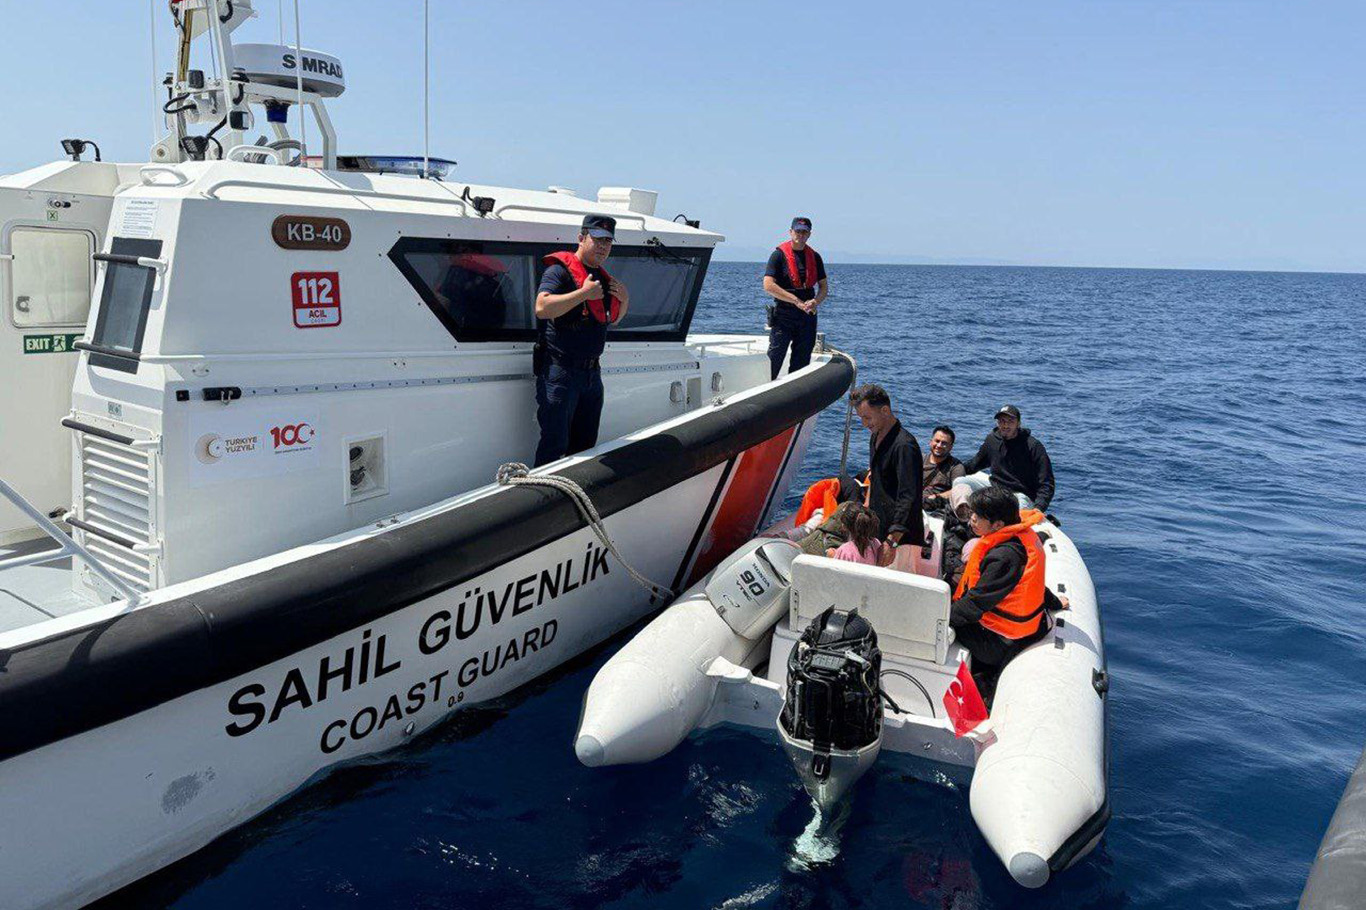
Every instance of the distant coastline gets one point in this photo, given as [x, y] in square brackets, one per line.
[836, 257]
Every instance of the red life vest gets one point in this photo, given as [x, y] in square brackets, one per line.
[791, 256]
[1019, 612]
[579, 273]
[823, 495]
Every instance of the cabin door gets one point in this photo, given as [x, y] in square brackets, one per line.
[46, 278]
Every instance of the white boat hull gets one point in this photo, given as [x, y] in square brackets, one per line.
[92, 811]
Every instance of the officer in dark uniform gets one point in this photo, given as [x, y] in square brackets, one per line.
[795, 279]
[575, 304]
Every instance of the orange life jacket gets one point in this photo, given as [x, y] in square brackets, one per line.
[1019, 612]
[791, 256]
[824, 495]
[606, 315]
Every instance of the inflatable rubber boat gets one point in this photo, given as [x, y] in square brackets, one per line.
[1337, 880]
[846, 662]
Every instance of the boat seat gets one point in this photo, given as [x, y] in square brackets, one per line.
[909, 612]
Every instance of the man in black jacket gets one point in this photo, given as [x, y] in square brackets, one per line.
[1017, 460]
[895, 469]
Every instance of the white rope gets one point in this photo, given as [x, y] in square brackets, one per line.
[518, 474]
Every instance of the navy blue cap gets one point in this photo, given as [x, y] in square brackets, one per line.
[599, 226]
[803, 223]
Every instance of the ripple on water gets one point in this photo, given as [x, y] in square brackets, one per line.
[1207, 433]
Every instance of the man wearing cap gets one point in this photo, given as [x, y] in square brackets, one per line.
[576, 303]
[795, 279]
[1017, 461]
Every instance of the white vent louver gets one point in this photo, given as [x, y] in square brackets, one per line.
[117, 501]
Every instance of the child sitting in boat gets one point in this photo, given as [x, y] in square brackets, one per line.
[861, 526]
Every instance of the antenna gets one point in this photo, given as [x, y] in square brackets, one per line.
[426, 88]
[299, 86]
[280, 21]
[156, 101]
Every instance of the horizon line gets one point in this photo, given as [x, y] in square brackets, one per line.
[1110, 268]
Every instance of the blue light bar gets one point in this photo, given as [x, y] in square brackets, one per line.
[395, 164]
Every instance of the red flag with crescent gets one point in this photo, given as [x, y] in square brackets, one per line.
[964, 703]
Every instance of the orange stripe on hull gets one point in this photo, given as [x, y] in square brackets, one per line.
[737, 517]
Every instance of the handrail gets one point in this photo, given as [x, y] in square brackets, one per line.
[89, 430]
[214, 187]
[107, 351]
[333, 355]
[146, 171]
[553, 210]
[66, 546]
[146, 262]
[245, 149]
[88, 528]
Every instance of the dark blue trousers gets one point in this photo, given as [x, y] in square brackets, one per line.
[568, 408]
[791, 327]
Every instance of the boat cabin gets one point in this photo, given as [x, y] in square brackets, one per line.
[280, 354]
[239, 348]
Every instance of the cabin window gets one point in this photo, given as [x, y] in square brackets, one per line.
[486, 291]
[480, 291]
[124, 304]
[664, 285]
[50, 277]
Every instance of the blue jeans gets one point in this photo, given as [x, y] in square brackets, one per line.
[790, 327]
[568, 408]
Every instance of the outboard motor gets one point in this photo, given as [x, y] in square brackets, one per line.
[831, 722]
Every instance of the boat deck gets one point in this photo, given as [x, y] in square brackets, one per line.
[34, 594]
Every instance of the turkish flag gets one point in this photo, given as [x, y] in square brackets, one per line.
[964, 703]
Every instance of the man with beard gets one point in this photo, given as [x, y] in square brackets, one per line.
[942, 470]
[895, 469]
[1017, 461]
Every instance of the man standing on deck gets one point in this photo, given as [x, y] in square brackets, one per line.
[795, 279]
[575, 304]
[894, 471]
[1017, 460]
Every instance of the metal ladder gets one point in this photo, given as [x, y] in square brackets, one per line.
[66, 547]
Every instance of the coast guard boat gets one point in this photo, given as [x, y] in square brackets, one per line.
[274, 440]
[843, 662]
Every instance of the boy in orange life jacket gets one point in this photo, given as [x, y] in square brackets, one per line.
[795, 279]
[576, 303]
[999, 605]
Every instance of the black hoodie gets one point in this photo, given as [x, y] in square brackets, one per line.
[1020, 465]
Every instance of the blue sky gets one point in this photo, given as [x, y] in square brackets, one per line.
[1155, 133]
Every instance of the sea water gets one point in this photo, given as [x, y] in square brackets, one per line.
[1208, 430]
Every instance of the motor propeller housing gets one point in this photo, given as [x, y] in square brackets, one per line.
[831, 722]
